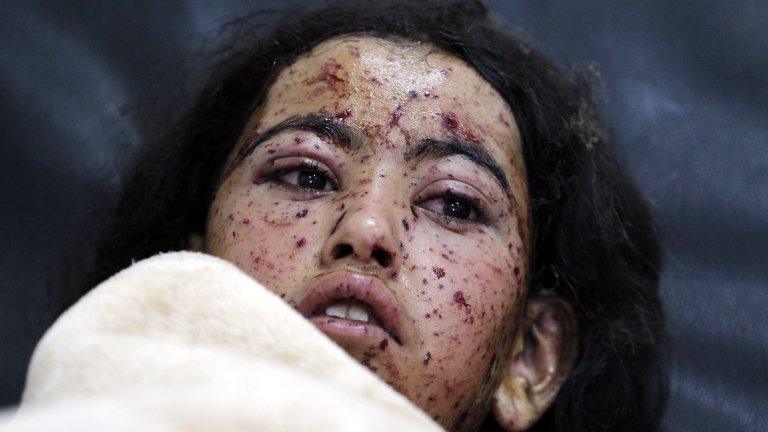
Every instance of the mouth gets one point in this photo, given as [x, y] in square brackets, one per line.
[353, 306]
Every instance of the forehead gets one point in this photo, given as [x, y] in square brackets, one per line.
[397, 91]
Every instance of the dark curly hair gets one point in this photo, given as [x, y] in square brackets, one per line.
[594, 242]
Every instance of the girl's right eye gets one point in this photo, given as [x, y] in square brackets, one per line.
[306, 177]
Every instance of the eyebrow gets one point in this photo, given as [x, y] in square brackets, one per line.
[431, 148]
[332, 128]
[351, 139]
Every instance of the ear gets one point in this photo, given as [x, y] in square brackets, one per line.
[543, 356]
[195, 242]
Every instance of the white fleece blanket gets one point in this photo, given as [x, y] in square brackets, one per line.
[187, 342]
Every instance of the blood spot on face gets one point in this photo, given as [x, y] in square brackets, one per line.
[333, 75]
[367, 363]
[450, 121]
[457, 128]
[396, 114]
[342, 115]
[338, 222]
[438, 271]
[458, 299]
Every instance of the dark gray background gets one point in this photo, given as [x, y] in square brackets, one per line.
[684, 86]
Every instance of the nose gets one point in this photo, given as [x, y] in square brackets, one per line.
[365, 236]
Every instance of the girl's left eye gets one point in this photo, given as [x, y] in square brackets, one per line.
[454, 208]
[457, 208]
[306, 179]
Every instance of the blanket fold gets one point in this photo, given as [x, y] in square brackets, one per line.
[186, 341]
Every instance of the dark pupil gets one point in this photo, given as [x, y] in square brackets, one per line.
[456, 208]
[312, 180]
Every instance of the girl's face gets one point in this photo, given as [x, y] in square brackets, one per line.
[380, 189]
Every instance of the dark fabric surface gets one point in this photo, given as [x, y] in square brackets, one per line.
[684, 86]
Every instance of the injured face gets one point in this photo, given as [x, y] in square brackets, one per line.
[380, 190]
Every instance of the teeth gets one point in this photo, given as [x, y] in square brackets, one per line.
[349, 311]
[337, 310]
[357, 313]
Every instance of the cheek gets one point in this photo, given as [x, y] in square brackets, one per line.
[271, 240]
[475, 277]
[477, 287]
[468, 298]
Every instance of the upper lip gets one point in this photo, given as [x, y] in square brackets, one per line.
[344, 285]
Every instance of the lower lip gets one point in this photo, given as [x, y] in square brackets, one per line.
[342, 329]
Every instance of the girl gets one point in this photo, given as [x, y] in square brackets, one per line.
[433, 195]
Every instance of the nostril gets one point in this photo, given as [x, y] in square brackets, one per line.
[383, 257]
[342, 250]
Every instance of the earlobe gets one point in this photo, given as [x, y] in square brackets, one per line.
[195, 242]
[545, 352]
